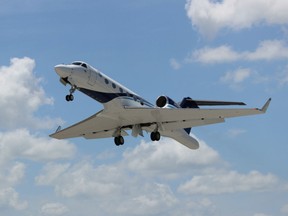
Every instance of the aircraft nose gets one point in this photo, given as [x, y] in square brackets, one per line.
[62, 70]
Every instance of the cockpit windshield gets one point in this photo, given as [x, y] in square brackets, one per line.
[80, 64]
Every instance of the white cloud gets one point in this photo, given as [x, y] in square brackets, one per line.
[9, 197]
[169, 158]
[236, 132]
[54, 209]
[11, 174]
[21, 96]
[175, 64]
[235, 78]
[260, 214]
[229, 182]
[267, 50]
[214, 55]
[284, 209]
[210, 16]
[135, 182]
[283, 77]
[21, 143]
[82, 179]
[51, 172]
[153, 178]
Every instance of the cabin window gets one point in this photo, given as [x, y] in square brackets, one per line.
[121, 90]
[113, 85]
[106, 81]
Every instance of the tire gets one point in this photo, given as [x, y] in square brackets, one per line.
[119, 140]
[155, 136]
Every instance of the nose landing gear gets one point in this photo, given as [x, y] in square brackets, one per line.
[70, 97]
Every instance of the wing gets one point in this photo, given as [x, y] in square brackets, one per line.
[106, 124]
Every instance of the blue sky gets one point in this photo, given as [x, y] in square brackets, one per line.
[218, 50]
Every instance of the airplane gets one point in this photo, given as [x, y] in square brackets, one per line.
[125, 110]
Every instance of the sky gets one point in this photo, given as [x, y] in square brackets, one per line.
[233, 50]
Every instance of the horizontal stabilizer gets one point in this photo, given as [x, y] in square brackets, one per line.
[217, 103]
[189, 102]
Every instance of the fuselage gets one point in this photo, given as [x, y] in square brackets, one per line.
[115, 98]
[99, 86]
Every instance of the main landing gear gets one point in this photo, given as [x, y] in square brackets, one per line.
[155, 136]
[70, 97]
[119, 140]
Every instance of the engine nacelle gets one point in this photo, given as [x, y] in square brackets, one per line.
[166, 102]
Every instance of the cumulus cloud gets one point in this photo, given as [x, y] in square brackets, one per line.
[168, 158]
[176, 65]
[229, 182]
[54, 209]
[210, 16]
[235, 78]
[21, 96]
[267, 50]
[21, 143]
[220, 54]
[9, 197]
[284, 209]
[10, 176]
[236, 132]
[137, 182]
[153, 178]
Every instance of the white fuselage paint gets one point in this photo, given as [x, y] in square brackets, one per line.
[88, 78]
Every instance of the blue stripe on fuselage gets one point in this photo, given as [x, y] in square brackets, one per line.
[103, 97]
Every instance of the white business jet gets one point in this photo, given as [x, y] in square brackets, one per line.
[125, 110]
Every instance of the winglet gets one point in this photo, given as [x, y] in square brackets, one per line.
[266, 105]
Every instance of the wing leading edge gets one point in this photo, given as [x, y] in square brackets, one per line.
[109, 124]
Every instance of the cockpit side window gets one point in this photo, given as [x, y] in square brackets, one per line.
[82, 64]
[76, 63]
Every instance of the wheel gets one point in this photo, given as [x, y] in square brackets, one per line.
[69, 97]
[152, 136]
[116, 141]
[155, 136]
[119, 140]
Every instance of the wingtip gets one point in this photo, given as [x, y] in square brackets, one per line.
[266, 105]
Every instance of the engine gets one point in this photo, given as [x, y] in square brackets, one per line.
[166, 102]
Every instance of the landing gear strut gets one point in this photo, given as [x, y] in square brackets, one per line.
[119, 140]
[155, 136]
[70, 97]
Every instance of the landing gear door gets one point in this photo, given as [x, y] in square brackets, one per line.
[92, 77]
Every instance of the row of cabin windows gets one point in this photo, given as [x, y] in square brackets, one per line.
[113, 85]
[106, 80]
[120, 89]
